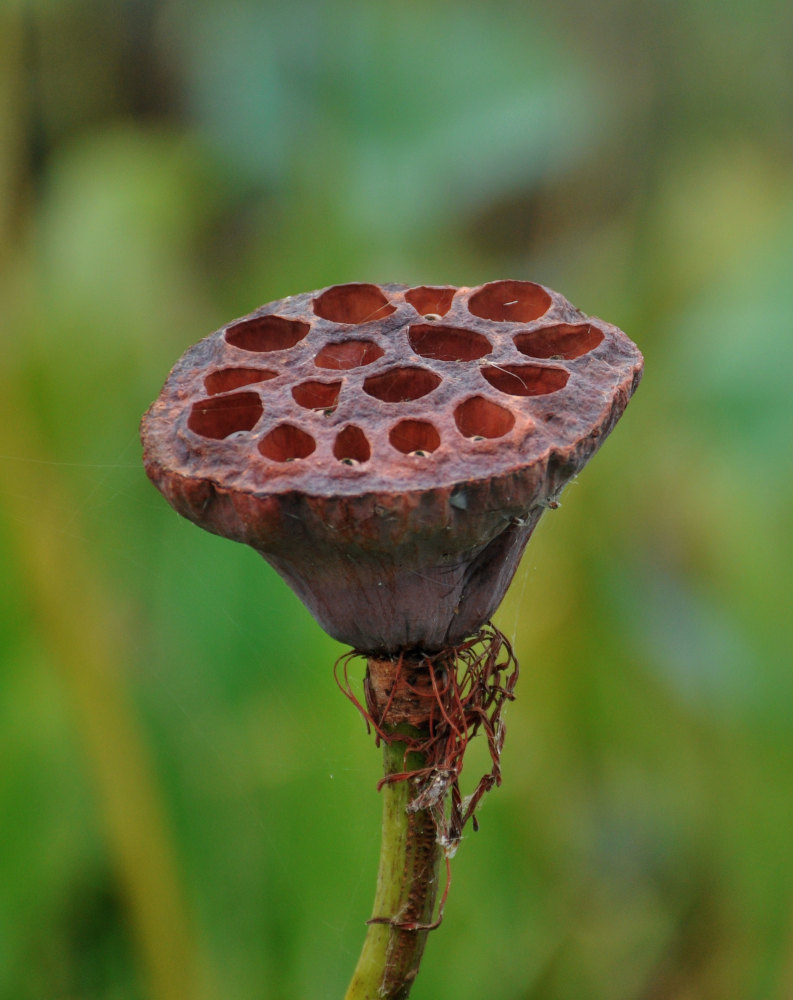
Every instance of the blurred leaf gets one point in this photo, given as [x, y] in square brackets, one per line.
[418, 113]
[695, 647]
[732, 366]
[120, 213]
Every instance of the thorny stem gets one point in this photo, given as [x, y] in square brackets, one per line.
[407, 885]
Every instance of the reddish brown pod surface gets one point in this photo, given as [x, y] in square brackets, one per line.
[388, 449]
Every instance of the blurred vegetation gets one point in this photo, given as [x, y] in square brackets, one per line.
[188, 804]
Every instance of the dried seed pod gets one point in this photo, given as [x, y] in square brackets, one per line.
[389, 450]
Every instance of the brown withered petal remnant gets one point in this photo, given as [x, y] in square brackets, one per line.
[389, 450]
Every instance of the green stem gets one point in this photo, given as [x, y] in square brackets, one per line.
[407, 885]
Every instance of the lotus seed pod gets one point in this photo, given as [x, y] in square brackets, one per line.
[387, 449]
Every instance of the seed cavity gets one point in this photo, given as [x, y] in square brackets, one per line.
[432, 302]
[414, 437]
[562, 341]
[348, 354]
[479, 417]
[448, 343]
[286, 443]
[234, 378]
[322, 396]
[353, 303]
[266, 333]
[510, 301]
[401, 385]
[221, 416]
[351, 446]
[525, 380]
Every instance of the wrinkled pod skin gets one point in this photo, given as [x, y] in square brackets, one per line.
[402, 581]
[405, 531]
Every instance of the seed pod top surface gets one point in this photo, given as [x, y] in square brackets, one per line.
[389, 448]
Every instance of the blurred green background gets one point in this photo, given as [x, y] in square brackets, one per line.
[187, 803]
